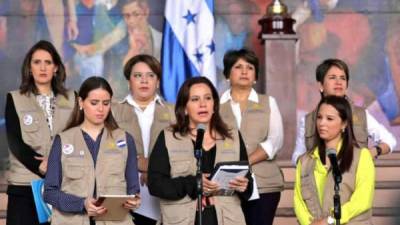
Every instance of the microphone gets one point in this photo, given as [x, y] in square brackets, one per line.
[337, 176]
[199, 140]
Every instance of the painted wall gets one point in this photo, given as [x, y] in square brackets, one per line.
[364, 33]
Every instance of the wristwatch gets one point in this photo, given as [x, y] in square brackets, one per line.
[330, 220]
[378, 151]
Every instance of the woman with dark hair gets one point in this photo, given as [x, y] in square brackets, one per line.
[172, 165]
[258, 118]
[333, 78]
[34, 114]
[314, 187]
[92, 157]
[144, 114]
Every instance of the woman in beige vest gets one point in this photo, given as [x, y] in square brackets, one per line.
[333, 77]
[172, 165]
[34, 114]
[91, 158]
[143, 114]
[314, 187]
[259, 120]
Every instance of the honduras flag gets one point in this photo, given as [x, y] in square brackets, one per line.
[188, 45]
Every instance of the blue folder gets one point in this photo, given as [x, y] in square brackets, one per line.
[43, 210]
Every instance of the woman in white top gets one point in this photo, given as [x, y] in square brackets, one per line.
[258, 118]
[143, 114]
[333, 76]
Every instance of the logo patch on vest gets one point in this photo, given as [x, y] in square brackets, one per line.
[228, 145]
[111, 145]
[28, 119]
[164, 117]
[67, 149]
[121, 143]
[356, 120]
[256, 106]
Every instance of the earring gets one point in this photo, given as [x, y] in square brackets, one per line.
[321, 90]
[343, 129]
[254, 82]
[80, 108]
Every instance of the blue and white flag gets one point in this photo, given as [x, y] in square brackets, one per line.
[188, 44]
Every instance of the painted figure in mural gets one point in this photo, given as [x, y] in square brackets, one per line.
[259, 120]
[393, 52]
[314, 185]
[125, 38]
[172, 165]
[82, 160]
[143, 113]
[39, 22]
[232, 19]
[333, 77]
[143, 38]
[34, 114]
[95, 19]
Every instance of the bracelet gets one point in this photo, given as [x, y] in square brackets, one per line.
[378, 151]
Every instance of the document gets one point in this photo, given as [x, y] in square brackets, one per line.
[114, 205]
[227, 171]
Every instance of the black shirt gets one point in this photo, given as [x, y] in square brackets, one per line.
[163, 186]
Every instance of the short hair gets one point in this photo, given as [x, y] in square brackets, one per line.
[232, 56]
[182, 121]
[57, 83]
[149, 60]
[141, 3]
[326, 65]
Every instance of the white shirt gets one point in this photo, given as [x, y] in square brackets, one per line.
[149, 204]
[145, 119]
[274, 140]
[377, 133]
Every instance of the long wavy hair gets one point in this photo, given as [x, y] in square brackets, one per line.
[57, 83]
[182, 121]
[345, 156]
[87, 86]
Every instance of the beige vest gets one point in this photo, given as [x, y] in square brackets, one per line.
[254, 128]
[35, 130]
[183, 163]
[359, 127]
[80, 175]
[127, 120]
[310, 195]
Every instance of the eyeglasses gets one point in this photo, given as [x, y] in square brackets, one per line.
[132, 14]
[139, 76]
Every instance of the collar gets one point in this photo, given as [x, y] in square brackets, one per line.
[226, 96]
[129, 99]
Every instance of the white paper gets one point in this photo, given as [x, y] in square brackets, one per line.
[255, 194]
[150, 206]
[225, 174]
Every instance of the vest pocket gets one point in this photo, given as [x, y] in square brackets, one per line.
[231, 211]
[181, 168]
[268, 175]
[307, 187]
[178, 213]
[74, 173]
[73, 181]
